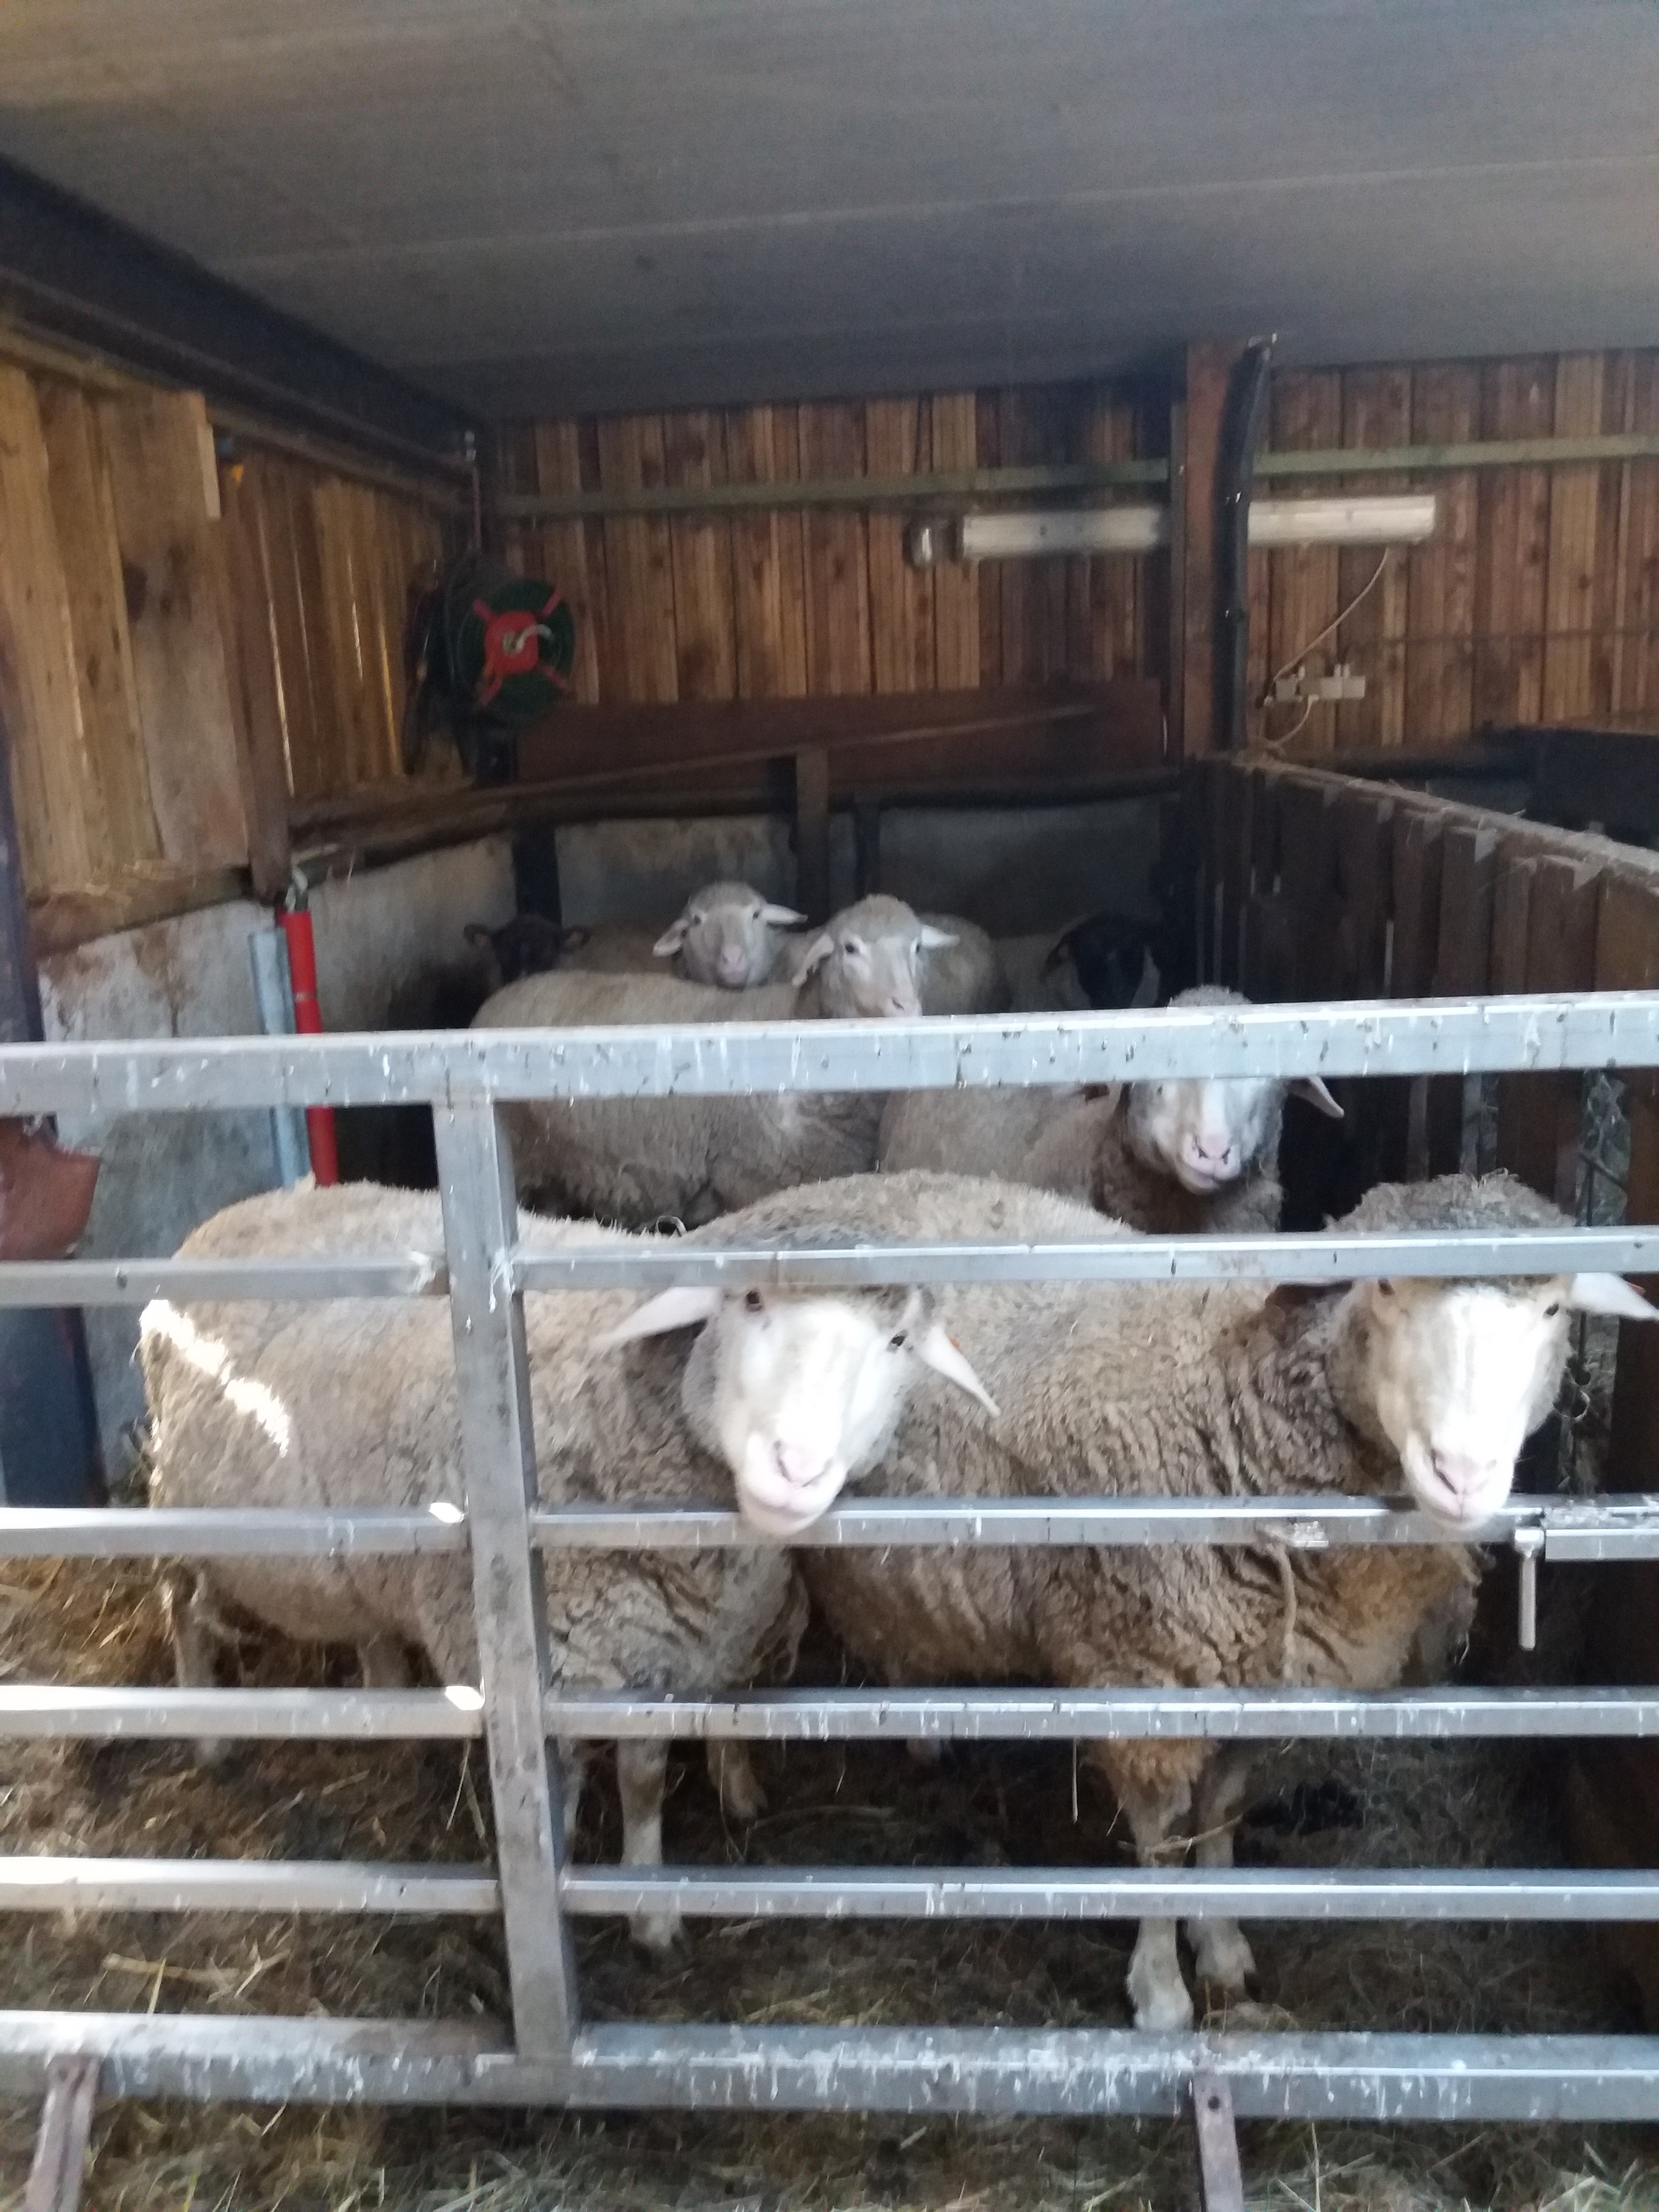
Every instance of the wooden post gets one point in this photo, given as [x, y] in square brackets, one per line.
[1194, 441]
[1220, 2177]
[812, 832]
[49, 1452]
[60, 2149]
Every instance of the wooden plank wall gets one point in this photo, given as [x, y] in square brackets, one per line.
[791, 605]
[1324, 886]
[186, 643]
[1537, 599]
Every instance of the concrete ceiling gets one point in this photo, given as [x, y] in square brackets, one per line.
[538, 205]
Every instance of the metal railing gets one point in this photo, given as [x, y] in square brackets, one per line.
[551, 2055]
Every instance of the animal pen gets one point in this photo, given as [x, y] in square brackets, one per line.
[853, 449]
[550, 2054]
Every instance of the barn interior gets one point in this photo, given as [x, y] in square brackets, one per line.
[731, 326]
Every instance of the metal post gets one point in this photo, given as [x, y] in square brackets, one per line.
[498, 1452]
[273, 995]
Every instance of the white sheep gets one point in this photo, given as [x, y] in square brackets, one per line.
[642, 1160]
[726, 934]
[1190, 1158]
[958, 971]
[352, 1402]
[1235, 1390]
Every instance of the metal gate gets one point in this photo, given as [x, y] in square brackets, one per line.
[550, 2055]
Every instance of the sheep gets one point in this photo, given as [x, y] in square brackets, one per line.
[353, 1402]
[642, 1160]
[1233, 1390]
[726, 934]
[1193, 1158]
[529, 945]
[959, 970]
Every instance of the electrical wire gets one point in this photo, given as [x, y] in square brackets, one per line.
[1335, 625]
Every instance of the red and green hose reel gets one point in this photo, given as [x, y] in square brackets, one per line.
[487, 652]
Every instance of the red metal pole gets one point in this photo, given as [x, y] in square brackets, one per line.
[295, 922]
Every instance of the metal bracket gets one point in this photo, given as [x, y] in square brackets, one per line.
[1220, 2177]
[60, 2149]
[1528, 1550]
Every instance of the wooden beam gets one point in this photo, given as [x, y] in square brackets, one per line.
[1194, 443]
[60, 2149]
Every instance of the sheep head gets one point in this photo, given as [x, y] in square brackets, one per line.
[867, 960]
[1207, 1136]
[724, 936]
[798, 1393]
[1454, 1375]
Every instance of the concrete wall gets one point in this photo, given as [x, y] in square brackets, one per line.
[1014, 872]
[379, 936]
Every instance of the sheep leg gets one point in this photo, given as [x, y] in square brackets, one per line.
[573, 1773]
[642, 1774]
[1155, 1792]
[736, 1784]
[925, 1750]
[199, 1636]
[383, 1664]
[1221, 1954]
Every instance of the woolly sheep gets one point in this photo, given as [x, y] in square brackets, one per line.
[529, 945]
[1234, 1390]
[958, 971]
[1191, 1158]
[726, 934]
[642, 1160]
[353, 1402]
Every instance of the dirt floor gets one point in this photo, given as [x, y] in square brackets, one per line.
[1429, 1805]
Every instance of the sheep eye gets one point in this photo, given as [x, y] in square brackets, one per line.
[850, 944]
[897, 1343]
[1552, 1308]
[753, 1301]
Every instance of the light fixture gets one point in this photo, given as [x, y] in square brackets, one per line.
[1035, 533]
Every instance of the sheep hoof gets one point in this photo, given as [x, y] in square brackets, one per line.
[1222, 1958]
[213, 1755]
[742, 1797]
[1160, 2000]
[925, 1750]
[656, 1932]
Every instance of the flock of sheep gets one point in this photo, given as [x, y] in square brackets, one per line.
[988, 1390]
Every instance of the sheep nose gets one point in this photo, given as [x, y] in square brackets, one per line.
[733, 966]
[1461, 1472]
[902, 1006]
[798, 1465]
[1216, 1152]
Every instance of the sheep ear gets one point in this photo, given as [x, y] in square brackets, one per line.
[947, 1356]
[1609, 1294]
[684, 1307]
[783, 917]
[672, 938]
[1150, 981]
[815, 955]
[935, 940]
[1310, 1089]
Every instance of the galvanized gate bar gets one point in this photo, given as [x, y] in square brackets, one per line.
[1067, 1716]
[1401, 1036]
[835, 1716]
[320, 1716]
[45, 1883]
[1088, 2072]
[144, 1532]
[1320, 1259]
[860, 1892]
[498, 1451]
[1575, 1528]
[134, 1282]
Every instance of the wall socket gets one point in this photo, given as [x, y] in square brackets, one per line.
[1342, 683]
